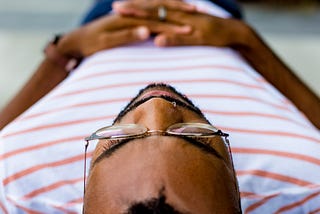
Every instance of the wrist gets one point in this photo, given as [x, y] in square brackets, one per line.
[243, 35]
[69, 46]
[60, 56]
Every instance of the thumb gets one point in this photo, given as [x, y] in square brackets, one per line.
[126, 36]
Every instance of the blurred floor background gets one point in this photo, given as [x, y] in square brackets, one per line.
[291, 29]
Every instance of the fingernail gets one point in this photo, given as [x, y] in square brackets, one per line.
[160, 41]
[142, 33]
[117, 4]
[191, 7]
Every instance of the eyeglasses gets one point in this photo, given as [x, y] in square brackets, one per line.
[131, 131]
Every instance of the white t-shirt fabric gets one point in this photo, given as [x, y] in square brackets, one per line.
[275, 148]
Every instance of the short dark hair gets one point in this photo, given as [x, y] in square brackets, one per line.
[153, 206]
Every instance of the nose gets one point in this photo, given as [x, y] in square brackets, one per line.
[159, 114]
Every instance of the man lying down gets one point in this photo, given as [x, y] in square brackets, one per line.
[248, 142]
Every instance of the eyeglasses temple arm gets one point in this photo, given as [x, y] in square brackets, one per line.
[85, 167]
[223, 134]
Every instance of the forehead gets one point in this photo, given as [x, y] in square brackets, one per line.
[143, 166]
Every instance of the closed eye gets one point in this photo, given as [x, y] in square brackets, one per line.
[118, 143]
[109, 146]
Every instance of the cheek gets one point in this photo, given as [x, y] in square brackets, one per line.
[132, 116]
[98, 147]
[220, 146]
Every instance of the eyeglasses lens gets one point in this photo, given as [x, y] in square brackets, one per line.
[121, 131]
[194, 129]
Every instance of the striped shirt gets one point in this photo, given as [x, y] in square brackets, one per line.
[275, 148]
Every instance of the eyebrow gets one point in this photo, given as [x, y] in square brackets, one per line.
[203, 147]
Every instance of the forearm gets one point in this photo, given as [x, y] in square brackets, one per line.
[263, 59]
[46, 77]
[52, 70]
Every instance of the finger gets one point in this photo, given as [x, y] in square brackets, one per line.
[126, 8]
[153, 4]
[143, 10]
[179, 5]
[172, 16]
[165, 40]
[152, 25]
[168, 28]
[125, 36]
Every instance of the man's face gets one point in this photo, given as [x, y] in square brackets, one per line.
[193, 180]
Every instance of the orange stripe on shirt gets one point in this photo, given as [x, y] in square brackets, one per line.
[30, 211]
[165, 59]
[273, 133]
[40, 146]
[254, 114]
[256, 205]
[275, 176]
[144, 83]
[162, 70]
[26, 210]
[247, 194]
[50, 187]
[315, 211]
[299, 203]
[3, 208]
[127, 99]
[33, 169]
[55, 125]
[238, 97]
[100, 102]
[277, 153]
[252, 195]
[74, 201]
[109, 86]
[64, 210]
[68, 204]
